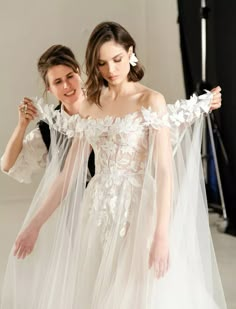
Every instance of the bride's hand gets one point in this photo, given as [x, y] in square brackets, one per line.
[25, 242]
[159, 255]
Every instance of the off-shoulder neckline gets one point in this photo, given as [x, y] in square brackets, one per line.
[114, 117]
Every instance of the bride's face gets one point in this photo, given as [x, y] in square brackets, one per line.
[64, 84]
[113, 62]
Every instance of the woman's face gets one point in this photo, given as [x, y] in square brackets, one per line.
[64, 84]
[113, 62]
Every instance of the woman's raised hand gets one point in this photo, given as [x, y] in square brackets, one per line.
[216, 100]
[27, 111]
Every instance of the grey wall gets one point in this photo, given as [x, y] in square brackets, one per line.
[28, 27]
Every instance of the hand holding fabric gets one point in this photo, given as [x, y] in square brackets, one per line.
[27, 112]
[216, 100]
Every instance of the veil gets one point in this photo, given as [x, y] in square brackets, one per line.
[50, 276]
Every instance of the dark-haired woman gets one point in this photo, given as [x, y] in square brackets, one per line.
[138, 235]
[25, 155]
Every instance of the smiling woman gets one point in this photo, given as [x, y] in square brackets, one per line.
[26, 155]
[65, 84]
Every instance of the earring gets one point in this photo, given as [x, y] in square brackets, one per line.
[133, 60]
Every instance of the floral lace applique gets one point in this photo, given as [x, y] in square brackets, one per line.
[121, 146]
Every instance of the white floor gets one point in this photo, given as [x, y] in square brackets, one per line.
[225, 248]
[12, 214]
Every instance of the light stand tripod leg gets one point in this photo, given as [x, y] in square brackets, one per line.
[204, 152]
[216, 167]
[204, 17]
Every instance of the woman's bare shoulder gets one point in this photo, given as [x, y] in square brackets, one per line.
[153, 99]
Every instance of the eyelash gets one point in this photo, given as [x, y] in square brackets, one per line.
[115, 60]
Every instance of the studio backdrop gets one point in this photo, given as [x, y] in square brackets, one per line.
[220, 70]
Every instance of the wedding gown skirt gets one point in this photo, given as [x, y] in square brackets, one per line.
[93, 252]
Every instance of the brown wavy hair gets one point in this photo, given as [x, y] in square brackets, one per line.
[57, 55]
[105, 32]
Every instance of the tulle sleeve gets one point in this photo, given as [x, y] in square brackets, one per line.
[183, 113]
[58, 122]
[54, 256]
[174, 187]
[187, 111]
[31, 159]
[159, 165]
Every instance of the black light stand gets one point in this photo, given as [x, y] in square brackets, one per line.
[210, 122]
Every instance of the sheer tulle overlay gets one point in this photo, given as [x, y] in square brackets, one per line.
[93, 252]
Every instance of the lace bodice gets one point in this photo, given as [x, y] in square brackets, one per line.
[120, 144]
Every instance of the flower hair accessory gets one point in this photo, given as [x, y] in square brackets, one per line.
[133, 60]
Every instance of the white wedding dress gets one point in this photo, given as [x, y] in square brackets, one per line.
[93, 251]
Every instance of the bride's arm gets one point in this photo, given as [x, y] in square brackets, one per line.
[26, 239]
[159, 253]
[162, 157]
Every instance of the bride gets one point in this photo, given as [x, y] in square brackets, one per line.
[138, 235]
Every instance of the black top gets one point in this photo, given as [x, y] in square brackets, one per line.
[45, 132]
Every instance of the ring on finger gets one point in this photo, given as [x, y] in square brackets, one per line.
[25, 107]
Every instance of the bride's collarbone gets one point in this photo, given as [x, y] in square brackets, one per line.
[119, 107]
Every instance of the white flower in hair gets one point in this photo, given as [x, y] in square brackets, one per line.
[133, 60]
